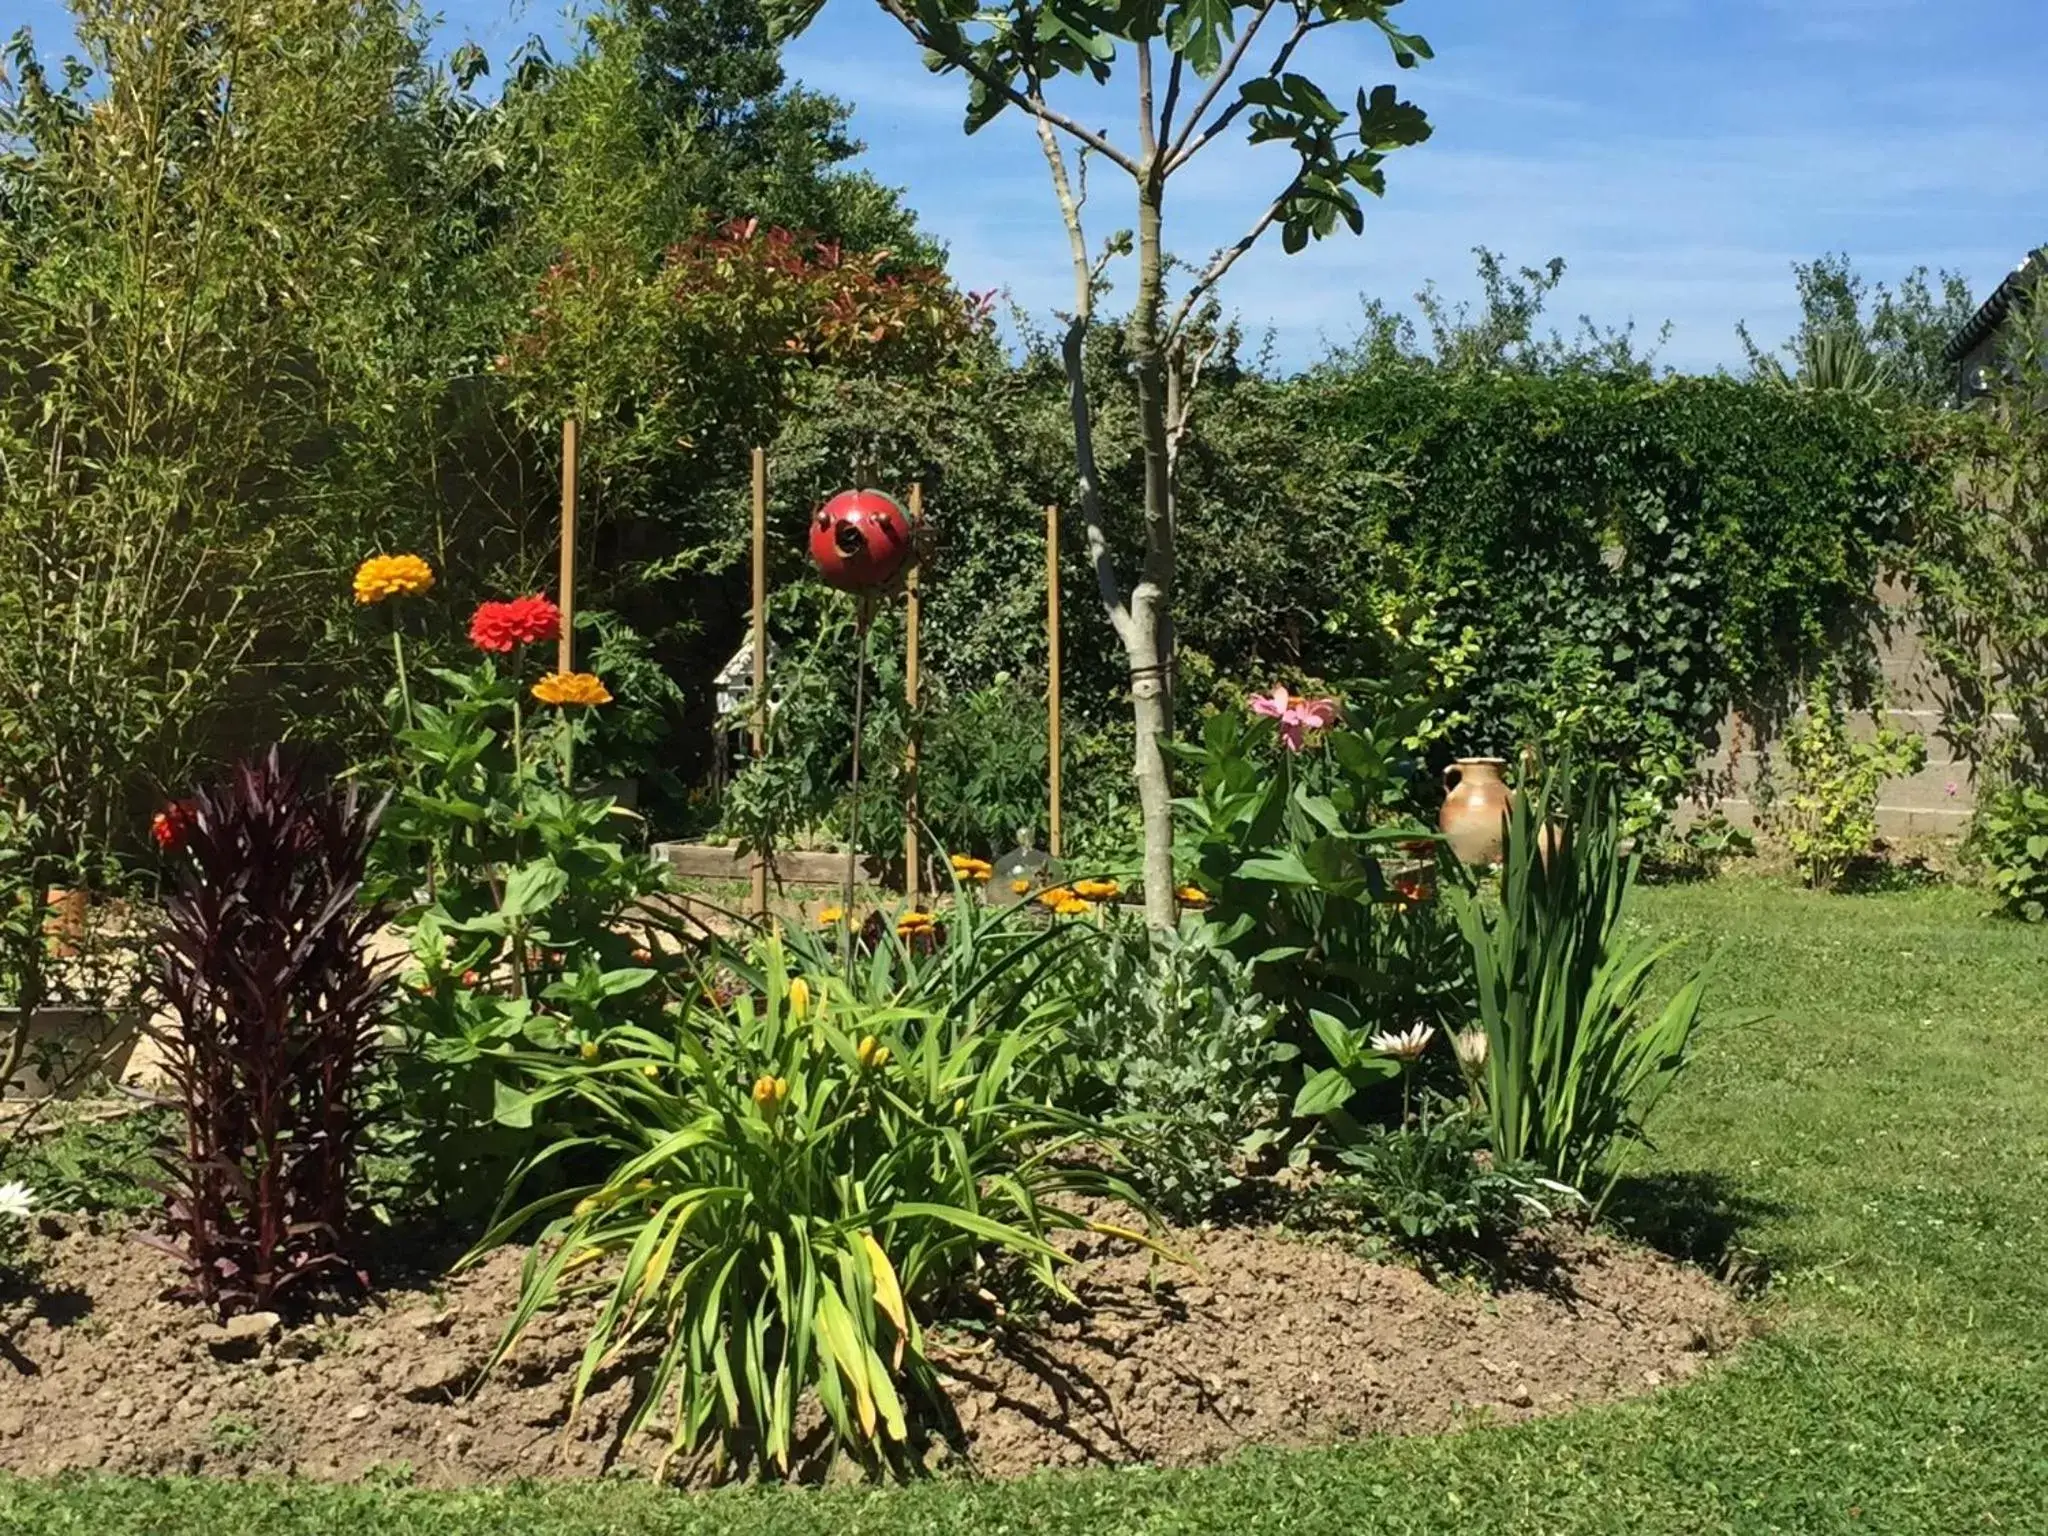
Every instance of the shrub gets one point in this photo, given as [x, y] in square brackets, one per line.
[1576, 1056]
[796, 1180]
[1829, 813]
[264, 959]
[2009, 837]
[1177, 1048]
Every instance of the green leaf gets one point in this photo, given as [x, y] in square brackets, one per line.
[532, 888]
[1283, 868]
[511, 1107]
[1329, 1089]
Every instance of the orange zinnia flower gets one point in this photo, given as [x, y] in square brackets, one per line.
[383, 576]
[567, 688]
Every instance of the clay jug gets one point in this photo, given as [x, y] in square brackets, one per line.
[1475, 803]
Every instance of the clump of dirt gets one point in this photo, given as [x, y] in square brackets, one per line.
[1265, 1340]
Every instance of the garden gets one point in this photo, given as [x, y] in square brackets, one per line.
[649, 880]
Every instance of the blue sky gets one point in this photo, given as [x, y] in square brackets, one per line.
[1679, 154]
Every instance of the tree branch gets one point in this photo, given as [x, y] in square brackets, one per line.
[1235, 57]
[1173, 79]
[1073, 353]
[1191, 143]
[1148, 144]
[1033, 102]
[1227, 258]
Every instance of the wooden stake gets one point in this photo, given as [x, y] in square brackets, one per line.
[1052, 676]
[565, 647]
[759, 872]
[913, 613]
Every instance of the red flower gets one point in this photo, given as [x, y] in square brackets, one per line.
[501, 627]
[169, 825]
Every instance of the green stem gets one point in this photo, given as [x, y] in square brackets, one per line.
[404, 684]
[408, 764]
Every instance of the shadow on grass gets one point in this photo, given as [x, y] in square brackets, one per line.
[1697, 1217]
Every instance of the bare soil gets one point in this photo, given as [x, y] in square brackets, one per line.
[1265, 1340]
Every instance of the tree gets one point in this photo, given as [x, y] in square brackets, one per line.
[1869, 339]
[1187, 63]
[1500, 337]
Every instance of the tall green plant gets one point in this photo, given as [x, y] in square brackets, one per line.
[1577, 1053]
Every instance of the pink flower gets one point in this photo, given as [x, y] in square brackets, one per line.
[1297, 715]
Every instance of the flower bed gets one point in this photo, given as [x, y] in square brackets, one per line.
[1263, 1341]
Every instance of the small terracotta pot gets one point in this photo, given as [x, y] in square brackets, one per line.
[1475, 809]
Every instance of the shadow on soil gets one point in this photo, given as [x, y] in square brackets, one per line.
[1700, 1218]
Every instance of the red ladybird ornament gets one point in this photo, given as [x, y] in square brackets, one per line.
[860, 540]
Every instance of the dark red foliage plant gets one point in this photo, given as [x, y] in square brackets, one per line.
[264, 961]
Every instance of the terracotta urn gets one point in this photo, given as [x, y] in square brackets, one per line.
[1475, 808]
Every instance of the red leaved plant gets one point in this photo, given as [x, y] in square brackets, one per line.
[264, 961]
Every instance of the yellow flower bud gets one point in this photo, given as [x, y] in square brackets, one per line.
[799, 998]
[960, 1109]
[588, 1050]
[584, 1207]
[880, 1058]
[864, 1053]
[650, 1071]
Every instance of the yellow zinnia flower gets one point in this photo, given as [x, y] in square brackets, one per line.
[1073, 906]
[1021, 887]
[571, 688]
[1096, 890]
[913, 922]
[1052, 896]
[383, 576]
[1192, 896]
[830, 916]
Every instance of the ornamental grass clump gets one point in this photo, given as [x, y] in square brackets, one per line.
[801, 1182]
[264, 960]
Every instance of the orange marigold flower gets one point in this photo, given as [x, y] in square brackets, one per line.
[1073, 906]
[1053, 895]
[383, 576]
[1192, 896]
[503, 627]
[1021, 887]
[569, 688]
[1096, 890]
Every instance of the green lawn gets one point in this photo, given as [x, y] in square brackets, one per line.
[1882, 1141]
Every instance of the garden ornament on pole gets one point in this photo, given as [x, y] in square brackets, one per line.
[861, 542]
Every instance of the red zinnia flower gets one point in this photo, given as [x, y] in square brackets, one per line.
[501, 627]
[169, 826]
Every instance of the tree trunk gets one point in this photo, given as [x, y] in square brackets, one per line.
[1148, 644]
